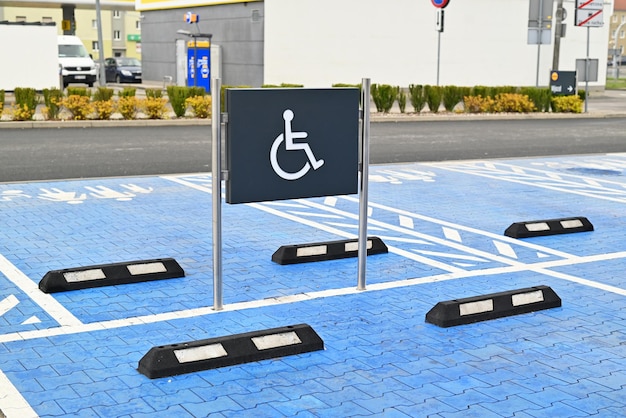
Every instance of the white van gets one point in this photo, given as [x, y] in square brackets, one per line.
[76, 65]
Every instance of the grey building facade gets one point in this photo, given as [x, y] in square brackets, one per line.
[237, 28]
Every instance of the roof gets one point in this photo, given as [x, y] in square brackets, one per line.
[620, 6]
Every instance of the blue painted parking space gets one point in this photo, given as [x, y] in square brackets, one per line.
[76, 353]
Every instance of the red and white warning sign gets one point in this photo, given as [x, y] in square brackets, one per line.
[589, 13]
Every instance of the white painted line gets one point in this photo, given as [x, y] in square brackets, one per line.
[314, 215]
[536, 181]
[505, 249]
[453, 256]
[409, 240]
[12, 403]
[452, 234]
[8, 303]
[50, 305]
[541, 268]
[467, 229]
[32, 320]
[406, 222]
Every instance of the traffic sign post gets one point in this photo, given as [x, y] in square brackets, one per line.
[589, 14]
[287, 144]
[440, 5]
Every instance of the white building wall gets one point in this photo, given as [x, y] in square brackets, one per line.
[29, 57]
[321, 42]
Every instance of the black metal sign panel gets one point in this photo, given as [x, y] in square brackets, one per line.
[291, 143]
[563, 83]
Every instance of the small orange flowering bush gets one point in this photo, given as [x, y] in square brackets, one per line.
[79, 106]
[154, 107]
[200, 106]
[128, 106]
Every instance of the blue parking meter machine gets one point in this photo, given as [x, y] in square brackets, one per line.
[199, 64]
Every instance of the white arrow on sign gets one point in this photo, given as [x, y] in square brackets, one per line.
[570, 88]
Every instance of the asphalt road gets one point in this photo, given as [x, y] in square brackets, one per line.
[48, 154]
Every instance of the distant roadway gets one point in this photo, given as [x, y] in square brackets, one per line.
[48, 154]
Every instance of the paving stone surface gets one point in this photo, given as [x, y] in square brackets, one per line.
[76, 353]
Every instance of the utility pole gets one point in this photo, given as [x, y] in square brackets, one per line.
[558, 31]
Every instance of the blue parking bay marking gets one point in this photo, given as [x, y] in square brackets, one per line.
[560, 359]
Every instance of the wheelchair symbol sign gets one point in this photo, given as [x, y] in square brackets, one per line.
[288, 136]
[291, 143]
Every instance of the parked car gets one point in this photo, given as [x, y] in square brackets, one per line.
[122, 70]
[621, 61]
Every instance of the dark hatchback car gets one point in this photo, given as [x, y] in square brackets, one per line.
[122, 70]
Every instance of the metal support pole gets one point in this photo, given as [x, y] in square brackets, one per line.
[216, 189]
[363, 181]
[101, 71]
[195, 61]
[587, 72]
[557, 35]
[539, 34]
[615, 66]
[438, 54]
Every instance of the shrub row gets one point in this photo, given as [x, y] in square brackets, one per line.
[477, 99]
[80, 103]
[83, 103]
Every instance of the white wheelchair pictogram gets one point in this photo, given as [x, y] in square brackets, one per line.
[288, 136]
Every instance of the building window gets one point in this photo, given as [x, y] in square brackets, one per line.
[20, 18]
[116, 14]
[94, 45]
[94, 24]
[137, 24]
[117, 35]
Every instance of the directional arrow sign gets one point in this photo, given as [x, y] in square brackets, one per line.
[563, 83]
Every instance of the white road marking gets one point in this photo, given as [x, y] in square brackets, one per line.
[8, 303]
[32, 320]
[540, 268]
[406, 222]
[314, 215]
[12, 403]
[452, 234]
[565, 186]
[505, 249]
[458, 227]
[50, 305]
[454, 256]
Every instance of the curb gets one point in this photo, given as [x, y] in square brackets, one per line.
[375, 118]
